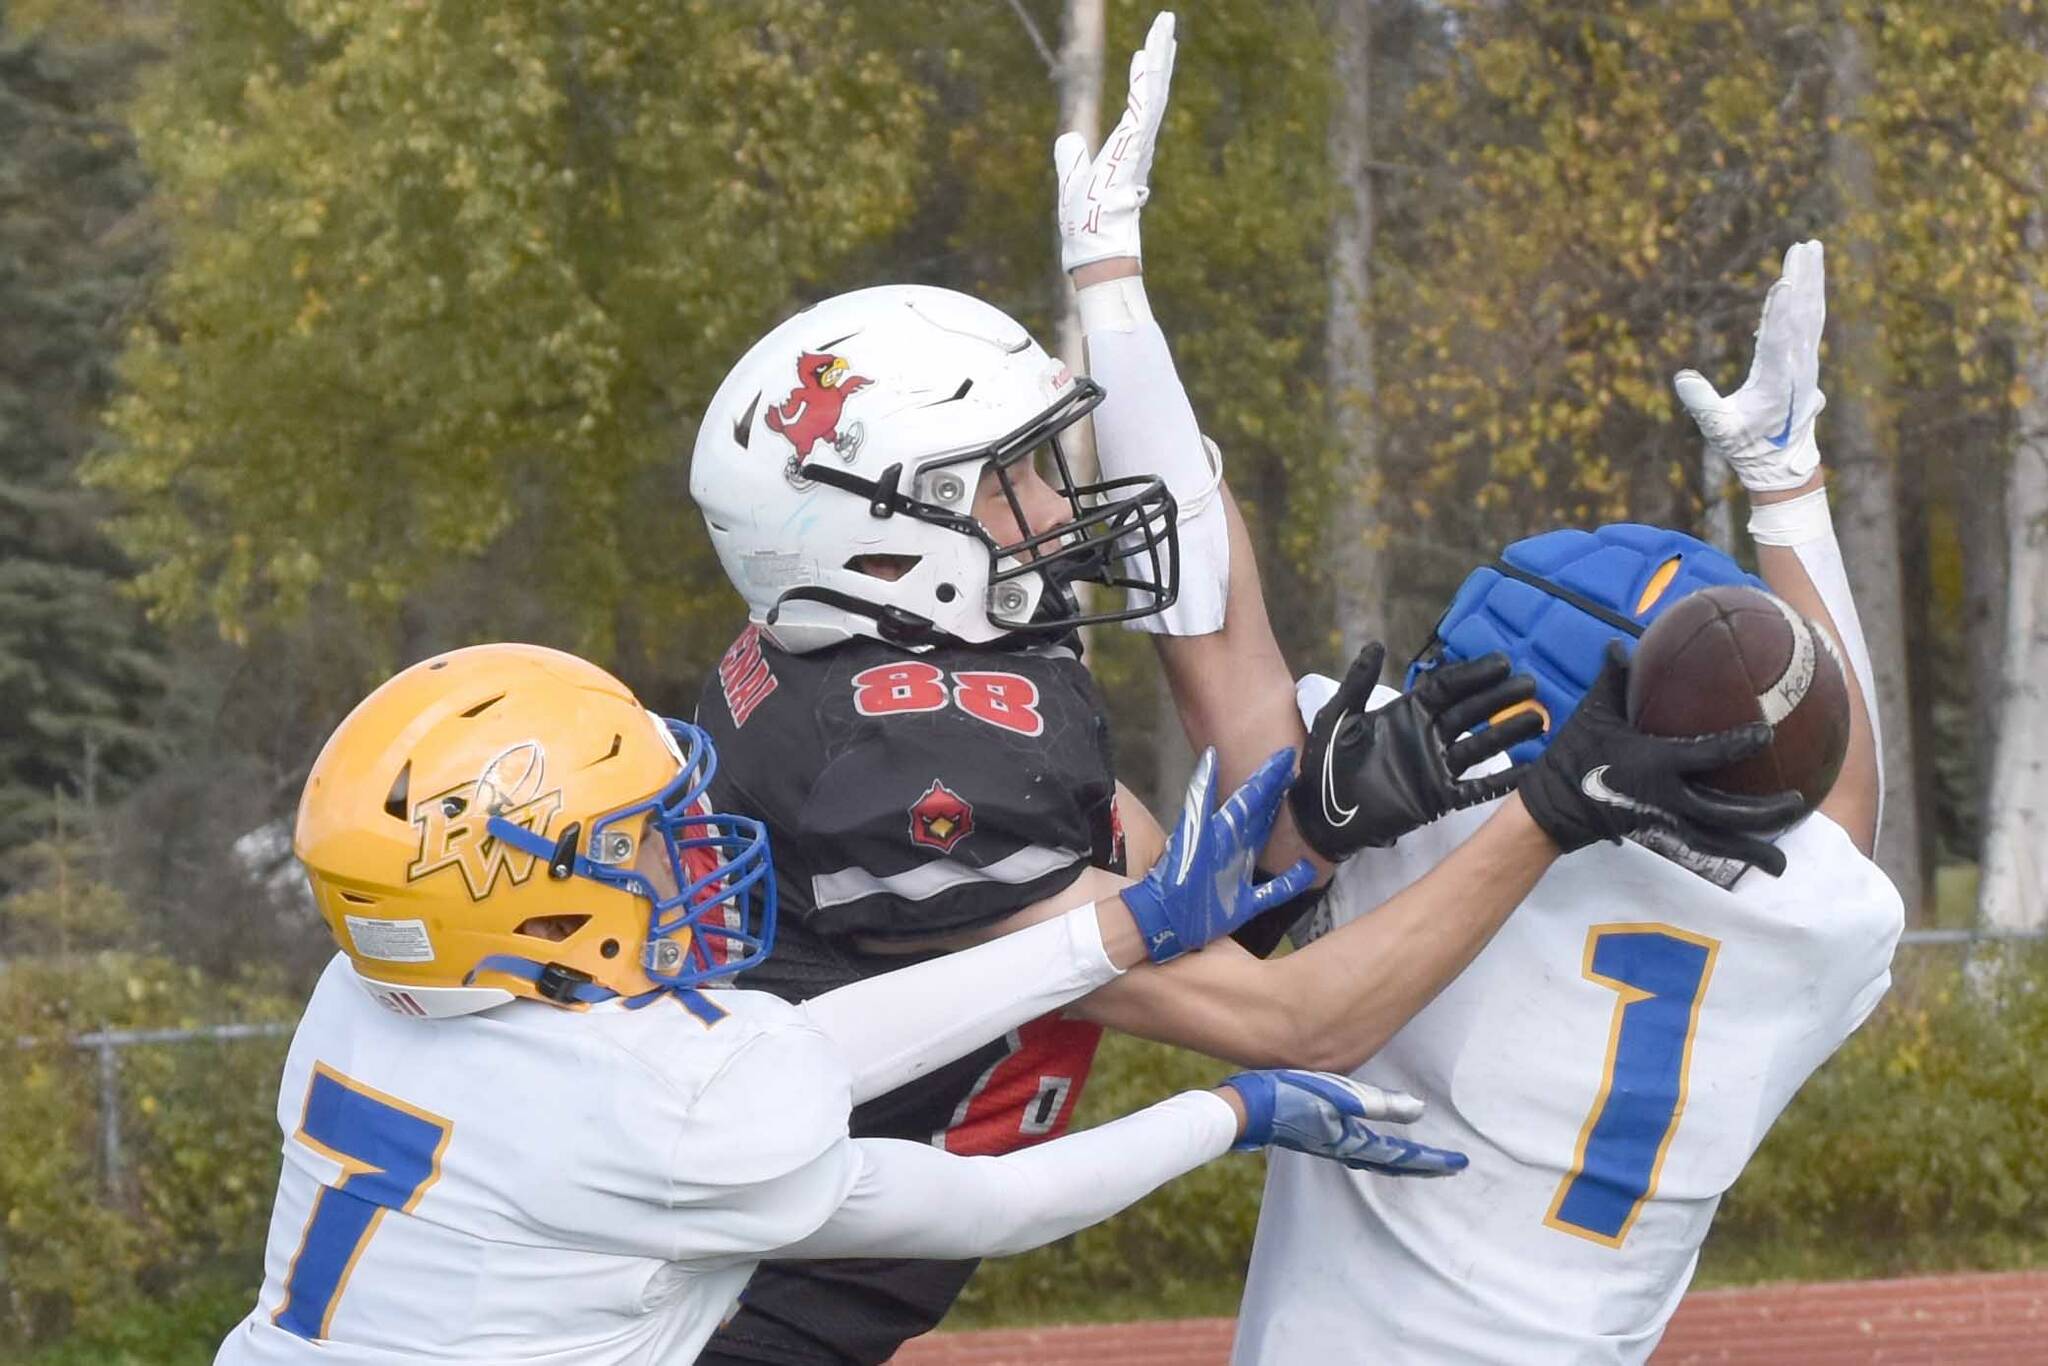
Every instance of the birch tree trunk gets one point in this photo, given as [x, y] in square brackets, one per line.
[2013, 889]
[1078, 79]
[1717, 481]
[1866, 485]
[1979, 500]
[1355, 536]
[1717, 518]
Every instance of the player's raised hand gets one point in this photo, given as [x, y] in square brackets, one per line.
[1203, 886]
[1100, 197]
[1370, 777]
[1325, 1115]
[1765, 429]
[1602, 779]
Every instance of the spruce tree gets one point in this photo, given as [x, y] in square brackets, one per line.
[78, 666]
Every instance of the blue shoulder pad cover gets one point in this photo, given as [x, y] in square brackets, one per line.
[1552, 602]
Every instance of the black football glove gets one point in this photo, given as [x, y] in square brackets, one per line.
[1602, 779]
[1369, 777]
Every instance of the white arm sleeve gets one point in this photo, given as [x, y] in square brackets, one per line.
[1147, 426]
[910, 1200]
[1804, 526]
[892, 1028]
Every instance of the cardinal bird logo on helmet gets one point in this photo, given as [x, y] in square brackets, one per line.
[811, 412]
[941, 818]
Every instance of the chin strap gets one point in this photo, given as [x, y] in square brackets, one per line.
[551, 981]
[566, 986]
[897, 625]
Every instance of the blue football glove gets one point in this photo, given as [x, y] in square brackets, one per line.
[1324, 1115]
[1202, 888]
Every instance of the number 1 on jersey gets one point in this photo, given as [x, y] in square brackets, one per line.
[389, 1152]
[1660, 974]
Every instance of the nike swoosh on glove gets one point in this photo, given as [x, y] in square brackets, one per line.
[1764, 430]
[1325, 1115]
[1602, 779]
[1370, 777]
[1100, 199]
[1202, 888]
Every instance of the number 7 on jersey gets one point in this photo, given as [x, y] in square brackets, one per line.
[1660, 975]
[389, 1153]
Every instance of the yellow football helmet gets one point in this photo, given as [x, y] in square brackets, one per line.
[508, 820]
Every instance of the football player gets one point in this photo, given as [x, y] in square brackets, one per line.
[884, 480]
[518, 1129]
[1613, 1057]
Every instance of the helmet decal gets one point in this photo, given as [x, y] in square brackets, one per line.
[811, 412]
[453, 825]
[743, 425]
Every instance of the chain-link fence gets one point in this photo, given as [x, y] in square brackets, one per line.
[107, 1046]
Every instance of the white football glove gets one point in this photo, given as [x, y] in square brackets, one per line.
[1099, 200]
[1764, 430]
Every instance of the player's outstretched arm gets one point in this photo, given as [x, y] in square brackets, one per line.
[1336, 1002]
[894, 1027]
[1765, 431]
[913, 1200]
[1231, 685]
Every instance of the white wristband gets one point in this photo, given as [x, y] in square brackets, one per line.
[1117, 305]
[1796, 521]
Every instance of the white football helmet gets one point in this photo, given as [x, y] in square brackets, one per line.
[861, 427]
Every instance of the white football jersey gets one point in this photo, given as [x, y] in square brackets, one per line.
[1609, 1062]
[535, 1184]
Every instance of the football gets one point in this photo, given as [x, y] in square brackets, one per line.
[1731, 655]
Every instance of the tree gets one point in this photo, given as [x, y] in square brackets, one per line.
[450, 282]
[2013, 888]
[1955, 125]
[1357, 569]
[1077, 80]
[1866, 484]
[1607, 206]
[78, 669]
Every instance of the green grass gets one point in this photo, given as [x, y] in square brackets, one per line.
[1919, 1254]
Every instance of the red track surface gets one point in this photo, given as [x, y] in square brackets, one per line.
[1944, 1319]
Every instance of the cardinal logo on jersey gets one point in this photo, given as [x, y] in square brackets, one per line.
[811, 412]
[454, 825]
[941, 818]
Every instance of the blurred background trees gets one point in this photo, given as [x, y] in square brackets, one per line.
[80, 672]
[340, 331]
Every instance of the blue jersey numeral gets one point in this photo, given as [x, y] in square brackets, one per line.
[1660, 974]
[389, 1153]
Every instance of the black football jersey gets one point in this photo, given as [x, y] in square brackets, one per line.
[908, 795]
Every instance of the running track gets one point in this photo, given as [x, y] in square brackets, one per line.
[1946, 1319]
